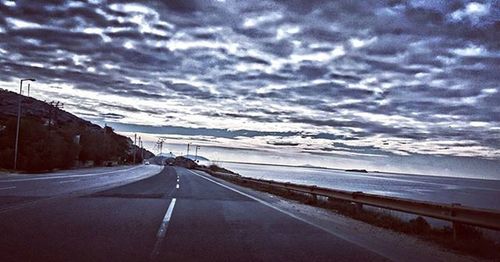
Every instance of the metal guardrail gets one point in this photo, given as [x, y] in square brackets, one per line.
[455, 213]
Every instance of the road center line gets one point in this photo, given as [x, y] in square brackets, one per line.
[5, 188]
[68, 181]
[162, 230]
[177, 186]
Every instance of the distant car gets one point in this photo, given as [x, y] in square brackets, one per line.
[146, 162]
[169, 161]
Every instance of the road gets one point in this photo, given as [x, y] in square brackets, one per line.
[25, 189]
[175, 215]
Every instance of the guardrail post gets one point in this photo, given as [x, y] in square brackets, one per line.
[314, 198]
[288, 191]
[455, 225]
[359, 206]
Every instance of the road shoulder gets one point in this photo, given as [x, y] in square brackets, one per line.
[390, 244]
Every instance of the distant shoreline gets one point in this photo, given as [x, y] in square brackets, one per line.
[282, 165]
[350, 170]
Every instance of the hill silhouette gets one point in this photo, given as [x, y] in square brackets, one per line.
[51, 138]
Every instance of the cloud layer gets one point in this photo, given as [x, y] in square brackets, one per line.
[375, 77]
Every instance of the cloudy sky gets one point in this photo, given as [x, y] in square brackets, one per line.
[387, 85]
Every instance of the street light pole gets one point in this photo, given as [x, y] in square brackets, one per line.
[135, 146]
[187, 153]
[142, 151]
[196, 155]
[19, 118]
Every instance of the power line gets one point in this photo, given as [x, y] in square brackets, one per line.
[159, 144]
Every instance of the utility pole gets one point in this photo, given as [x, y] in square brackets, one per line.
[55, 106]
[19, 119]
[53, 112]
[159, 144]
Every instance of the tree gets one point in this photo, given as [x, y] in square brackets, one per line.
[43, 147]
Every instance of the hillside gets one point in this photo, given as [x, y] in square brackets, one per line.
[51, 138]
[37, 109]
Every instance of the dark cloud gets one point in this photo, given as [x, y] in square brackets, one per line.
[211, 132]
[129, 33]
[112, 116]
[251, 59]
[183, 6]
[129, 109]
[330, 136]
[190, 91]
[250, 116]
[329, 90]
[327, 70]
[278, 48]
[312, 72]
[337, 76]
[58, 37]
[255, 33]
[278, 143]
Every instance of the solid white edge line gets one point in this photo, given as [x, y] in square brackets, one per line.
[327, 230]
[66, 176]
[163, 229]
[68, 181]
[254, 198]
[5, 188]
[86, 191]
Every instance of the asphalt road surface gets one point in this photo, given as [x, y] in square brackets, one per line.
[175, 215]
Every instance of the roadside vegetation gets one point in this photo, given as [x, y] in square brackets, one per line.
[216, 168]
[43, 147]
[51, 138]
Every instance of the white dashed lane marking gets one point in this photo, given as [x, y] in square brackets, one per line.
[163, 230]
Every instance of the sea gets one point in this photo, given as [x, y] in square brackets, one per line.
[478, 193]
